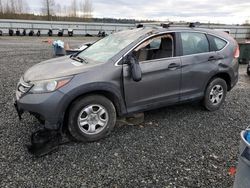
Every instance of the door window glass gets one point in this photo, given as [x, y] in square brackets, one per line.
[216, 43]
[156, 48]
[194, 43]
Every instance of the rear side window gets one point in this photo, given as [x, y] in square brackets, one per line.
[216, 43]
[194, 43]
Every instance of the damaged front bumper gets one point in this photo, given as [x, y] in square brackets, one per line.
[19, 112]
[45, 106]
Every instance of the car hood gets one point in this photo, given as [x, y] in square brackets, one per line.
[56, 68]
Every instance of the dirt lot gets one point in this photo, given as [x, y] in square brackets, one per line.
[179, 146]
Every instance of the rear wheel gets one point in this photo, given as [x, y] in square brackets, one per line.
[91, 118]
[215, 94]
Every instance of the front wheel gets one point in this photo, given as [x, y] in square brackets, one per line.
[215, 94]
[91, 118]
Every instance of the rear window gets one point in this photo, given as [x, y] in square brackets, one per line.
[194, 43]
[216, 43]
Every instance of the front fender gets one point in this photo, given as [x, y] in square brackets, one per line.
[98, 87]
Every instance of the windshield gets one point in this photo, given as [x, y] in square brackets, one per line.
[106, 48]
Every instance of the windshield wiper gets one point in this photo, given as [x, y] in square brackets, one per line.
[80, 59]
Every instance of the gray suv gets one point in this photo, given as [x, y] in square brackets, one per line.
[127, 72]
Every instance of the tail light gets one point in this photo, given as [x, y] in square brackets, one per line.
[237, 52]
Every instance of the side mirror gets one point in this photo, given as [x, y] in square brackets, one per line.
[135, 68]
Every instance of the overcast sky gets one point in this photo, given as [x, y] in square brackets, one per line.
[218, 11]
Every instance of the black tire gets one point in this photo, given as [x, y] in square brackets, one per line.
[207, 103]
[76, 109]
[248, 73]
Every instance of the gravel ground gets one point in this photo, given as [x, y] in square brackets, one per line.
[179, 146]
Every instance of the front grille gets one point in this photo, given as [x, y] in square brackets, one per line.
[22, 88]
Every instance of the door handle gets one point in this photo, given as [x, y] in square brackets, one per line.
[213, 58]
[173, 66]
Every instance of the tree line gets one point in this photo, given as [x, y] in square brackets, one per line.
[13, 6]
[77, 9]
[50, 10]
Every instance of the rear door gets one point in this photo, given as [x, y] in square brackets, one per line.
[197, 64]
[161, 74]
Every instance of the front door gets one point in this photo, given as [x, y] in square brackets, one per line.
[161, 74]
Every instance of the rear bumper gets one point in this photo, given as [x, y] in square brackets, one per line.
[234, 74]
[234, 81]
[47, 105]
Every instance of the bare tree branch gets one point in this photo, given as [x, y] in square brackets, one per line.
[73, 8]
[87, 9]
[1, 7]
[48, 8]
[12, 7]
[58, 9]
[7, 8]
[19, 6]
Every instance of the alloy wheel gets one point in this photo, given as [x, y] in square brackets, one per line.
[216, 94]
[93, 119]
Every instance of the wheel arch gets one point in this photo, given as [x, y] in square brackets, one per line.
[223, 75]
[111, 95]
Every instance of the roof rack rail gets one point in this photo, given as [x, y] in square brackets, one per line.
[166, 25]
[194, 24]
[139, 26]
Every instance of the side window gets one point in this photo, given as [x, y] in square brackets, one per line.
[155, 44]
[216, 43]
[194, 43]
[155, 48]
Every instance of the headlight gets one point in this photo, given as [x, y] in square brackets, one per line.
[47, 86]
